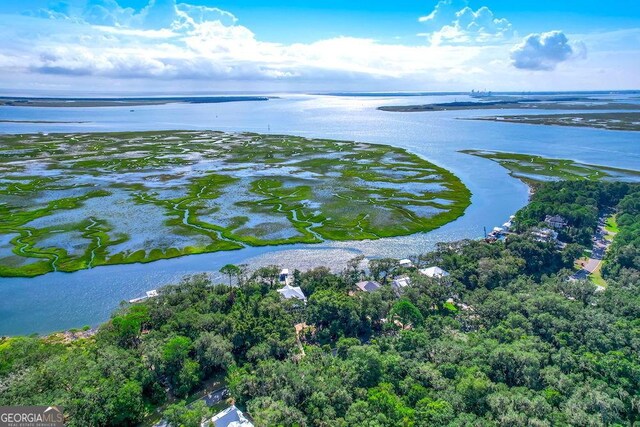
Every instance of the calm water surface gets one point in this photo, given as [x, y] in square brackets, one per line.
[59, 301]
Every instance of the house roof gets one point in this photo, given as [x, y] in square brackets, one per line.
[230, 417]
[554, 218]
[435, 272]
[289, 292]
[368, 286]
[405, 262]
[401, 282]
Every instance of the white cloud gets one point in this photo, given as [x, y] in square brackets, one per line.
[545, 51]
[201, 14]
[167, 41]
[107, 12]
[157, 14]
[106, 47]
[453, 21]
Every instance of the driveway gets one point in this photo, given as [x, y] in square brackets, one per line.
[599, 248]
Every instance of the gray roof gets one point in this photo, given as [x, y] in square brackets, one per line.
[230, 417]
[555, 218]
[368, 286]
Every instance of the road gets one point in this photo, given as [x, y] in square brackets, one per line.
[598, 250]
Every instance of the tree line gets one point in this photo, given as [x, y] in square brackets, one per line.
[504, 340]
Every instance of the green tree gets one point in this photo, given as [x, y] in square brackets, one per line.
[335, 313]
[213, 351]
[188, 377]
[406, 313]
[433, 413]
[382, 399]
[181, 415]
[268, 412]
[127, 327]
[382, 268]
[231, 271]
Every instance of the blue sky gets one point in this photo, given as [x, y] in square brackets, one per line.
[241, 45]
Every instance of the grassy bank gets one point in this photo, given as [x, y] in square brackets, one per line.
[530, 168]
[609, 121]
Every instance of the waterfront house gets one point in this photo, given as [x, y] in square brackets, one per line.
[399, 283]
[544, 234]
[555, 221]
[230, 417]
[405, 263]
[285, 277]
[289, 292]
[434, 272]
[368, 286]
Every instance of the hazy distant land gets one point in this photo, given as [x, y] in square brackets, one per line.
[629, 121]
[573, 103]
[44, 121]
[121, 102]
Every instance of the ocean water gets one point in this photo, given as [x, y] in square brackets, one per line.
[59, 301]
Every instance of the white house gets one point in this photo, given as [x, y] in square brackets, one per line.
[289, 292]
[434, 272]
[406, 263]
[399, 283]
[544, 234]
[230, 417]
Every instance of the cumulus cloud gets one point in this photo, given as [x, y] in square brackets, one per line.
[168, 40]
[201, 14]
[157, 14]
[103, 46]
[107, 12]
[545, 51]
[453, 21]
[56, 10]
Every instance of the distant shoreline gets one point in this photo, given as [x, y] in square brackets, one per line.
[122, 102]
[532, 104]
[624, 121]
[53, 122]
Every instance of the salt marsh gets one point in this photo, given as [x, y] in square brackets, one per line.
[78, 201]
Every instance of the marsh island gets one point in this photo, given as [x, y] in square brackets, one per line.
[508, 103]
[629, 121]
[74, 201]
[530, 168]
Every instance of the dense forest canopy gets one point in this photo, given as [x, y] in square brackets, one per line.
[503, 340]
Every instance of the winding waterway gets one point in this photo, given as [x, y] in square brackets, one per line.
[59, 301]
